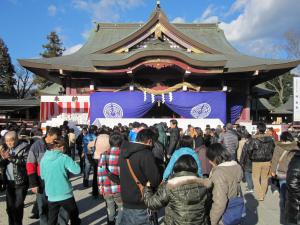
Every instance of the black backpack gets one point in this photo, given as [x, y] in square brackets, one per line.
[263, 149]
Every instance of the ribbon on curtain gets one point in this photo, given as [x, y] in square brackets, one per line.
[135, 104]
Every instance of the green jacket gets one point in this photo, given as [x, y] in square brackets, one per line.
[162, 135]
[186, 197]
[54, 171]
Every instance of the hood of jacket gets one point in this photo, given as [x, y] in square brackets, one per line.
[129, 148]
[20, 147]
[187, 178]
[52, 155]
[264, 138]
[288, 146]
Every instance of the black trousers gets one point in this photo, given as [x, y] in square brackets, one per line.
[69, 205]
[15, 197]
[95, 179]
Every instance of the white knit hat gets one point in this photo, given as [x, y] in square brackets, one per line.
[3, 132]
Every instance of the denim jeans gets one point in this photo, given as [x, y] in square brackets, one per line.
[282, 184]
[112, 203]
[135, 217]
[42, 202]
[87, 167]
[248, 177]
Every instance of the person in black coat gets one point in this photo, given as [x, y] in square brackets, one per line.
[292, 209]
[137, 167]
[159, 152]
[174, 138]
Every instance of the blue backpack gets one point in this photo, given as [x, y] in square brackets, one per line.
[235, 210]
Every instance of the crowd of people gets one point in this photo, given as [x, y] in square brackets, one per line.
[194, 174]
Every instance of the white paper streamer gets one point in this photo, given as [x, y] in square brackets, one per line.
[152, 98]
[170, 97]
[163, 100]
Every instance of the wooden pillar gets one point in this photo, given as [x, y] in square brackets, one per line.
[68, 86]
[27, 116]
[245, 114]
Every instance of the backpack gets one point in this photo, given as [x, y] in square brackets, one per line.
[262, 150]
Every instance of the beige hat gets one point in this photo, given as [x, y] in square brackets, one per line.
[102, 145]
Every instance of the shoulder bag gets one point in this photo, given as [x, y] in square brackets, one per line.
[235, 210]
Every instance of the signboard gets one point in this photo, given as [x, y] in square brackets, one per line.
[296, 98]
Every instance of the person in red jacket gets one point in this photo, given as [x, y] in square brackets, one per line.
[35, 156]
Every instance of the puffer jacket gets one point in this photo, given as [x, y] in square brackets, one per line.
[260, 148]
[19, 164]
[245, 160]
[292, 210]
[230, 141]
[174, 139]
[162, 135]
[288, 149]
[226, 178]
[186, 197]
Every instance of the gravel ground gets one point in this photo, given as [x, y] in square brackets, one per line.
[92, 211]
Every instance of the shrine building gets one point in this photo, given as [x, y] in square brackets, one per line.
[156, 69]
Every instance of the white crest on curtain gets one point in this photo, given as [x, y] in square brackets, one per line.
[112, 110]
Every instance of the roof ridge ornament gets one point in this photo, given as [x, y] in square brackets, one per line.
[158, 4]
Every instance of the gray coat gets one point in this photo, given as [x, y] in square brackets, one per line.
[226, 178]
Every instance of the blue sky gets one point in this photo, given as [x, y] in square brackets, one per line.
[255, 27]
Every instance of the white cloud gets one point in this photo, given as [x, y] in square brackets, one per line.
[261, 47]
[237, 6]
[106, 10]
[178, 20]
[207, 13]
[262, 19]
[86, 34]
[207, 16]
[72, 49]
[52, 10]
[58, 30]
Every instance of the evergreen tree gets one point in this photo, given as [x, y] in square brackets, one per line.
[53, 48]
[7, 71]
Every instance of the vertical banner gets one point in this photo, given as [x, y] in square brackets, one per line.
[297, 99]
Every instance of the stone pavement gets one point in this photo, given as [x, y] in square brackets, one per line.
[92, 211]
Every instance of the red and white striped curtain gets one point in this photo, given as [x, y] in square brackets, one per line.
[53, 109]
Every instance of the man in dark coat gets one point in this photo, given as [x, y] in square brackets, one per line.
[174, 138]
[137, 167]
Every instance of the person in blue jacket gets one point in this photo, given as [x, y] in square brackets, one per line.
[55, 167]
[186, 148]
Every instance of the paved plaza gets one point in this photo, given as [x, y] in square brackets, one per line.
[92, 211]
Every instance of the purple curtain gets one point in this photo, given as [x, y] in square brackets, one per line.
[135, 104]
[127, 104]
[199, 105]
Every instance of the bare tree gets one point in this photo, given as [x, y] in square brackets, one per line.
[282, 85]
[292, 45]
[24, 82]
